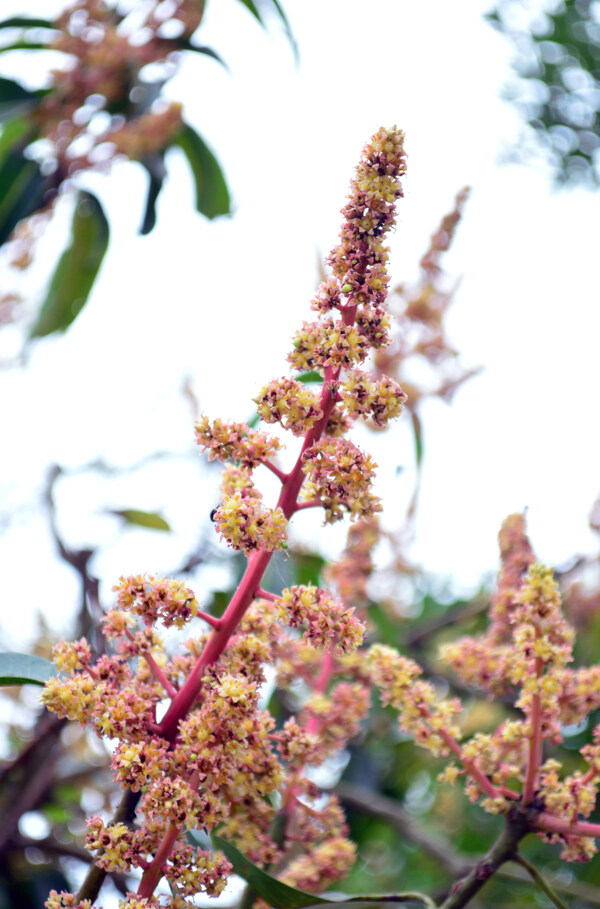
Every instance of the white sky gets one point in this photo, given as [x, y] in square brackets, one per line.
[219, 301]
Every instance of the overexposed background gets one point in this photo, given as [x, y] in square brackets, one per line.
[218, 302]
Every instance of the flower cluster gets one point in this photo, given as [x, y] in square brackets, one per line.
[290, 403]
[156, 599]
[214, 757]
[248, 525]
[340, 476]
[328, 623]
[234, 442]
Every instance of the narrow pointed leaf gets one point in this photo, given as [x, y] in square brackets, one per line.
[212, 194]
[418, 436]
[186, 45]
[76, 271]
[24, 669]
[150, 519]
[26, 22]
[277, 894]
[155, 167]
[256, 12]
[22, 190]
[280, 896]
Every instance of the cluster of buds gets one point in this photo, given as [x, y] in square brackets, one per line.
[214, 757]
[525, 653]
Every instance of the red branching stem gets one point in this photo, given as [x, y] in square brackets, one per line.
[155, 869]
[535, 742]
[274, 469]
[312, 503]
[312, 726]
[266, 595]
[558, 825]
[239, 603]
[209, 619]
[159, 675]
[470, 766]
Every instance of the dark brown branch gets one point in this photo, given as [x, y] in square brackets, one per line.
[95, 877]
[519, 822]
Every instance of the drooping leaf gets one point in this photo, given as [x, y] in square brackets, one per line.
[212, 194]
[255, 9]
[275, 893]
[22, 190]
[76, 271]
[155, 167]
[281, 896]
[26, 22]
[24, 669]
[150, 519]
[186, 45]
[15, 98]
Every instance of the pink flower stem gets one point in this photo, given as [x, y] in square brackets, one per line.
[257, 564]
[155, 869]
[209, 619]
[312, 503]
[159, 675]
[566, 828]
[535, 742]
[266, 595]
[274, 469]
[469, 765]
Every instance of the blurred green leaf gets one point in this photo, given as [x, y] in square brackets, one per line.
[149, 519]
[256, 12]
[186, 45]
[309, 377]
[26, 22]
[155, 167]
[418, 436]
[281, 896]
[212, 194]
[13, 132]
[277, 894]
[307, 568]
[23, 45]
[14, 98]
[24, 669]
[22, 190]
[76, 271]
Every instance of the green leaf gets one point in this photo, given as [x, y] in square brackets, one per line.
[212, 194]
[155, 167]
[22, 190]
[23, 45]
[308, 377]
[418, 435]
[14, 98]
[280, 896]
[76, 271]
[277, 894]
[186, 45]
[13, 132]
[26, 22]
[150, 519]
[254, 9]
[24, 669]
